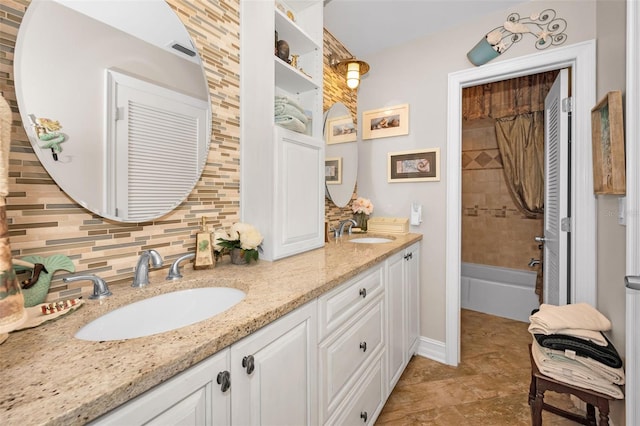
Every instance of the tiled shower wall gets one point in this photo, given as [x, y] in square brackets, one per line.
[494, 232]
[44, 221]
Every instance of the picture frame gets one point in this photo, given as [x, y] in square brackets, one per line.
[385, 122]
[607, 134]
[333, 170]
[341, 130]
[414, 166]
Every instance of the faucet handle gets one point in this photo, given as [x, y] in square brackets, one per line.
[100, 287]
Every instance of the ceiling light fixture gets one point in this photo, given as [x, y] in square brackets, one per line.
[352, 68]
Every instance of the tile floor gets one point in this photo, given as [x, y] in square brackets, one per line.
[489, 387]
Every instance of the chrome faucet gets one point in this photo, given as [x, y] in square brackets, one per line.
[174, 270]
[100, 288]
[342, 225]
[533, 262]
[141, 275]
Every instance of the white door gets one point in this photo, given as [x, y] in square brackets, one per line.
[556, 203]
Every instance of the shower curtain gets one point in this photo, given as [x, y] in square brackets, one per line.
[521, 144]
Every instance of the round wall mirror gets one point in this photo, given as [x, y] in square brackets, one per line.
[341, 154]
[114, 100]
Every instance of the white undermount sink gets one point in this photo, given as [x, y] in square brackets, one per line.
[370, 240]
[161, 313]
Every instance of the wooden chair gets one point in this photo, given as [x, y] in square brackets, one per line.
[541, 383]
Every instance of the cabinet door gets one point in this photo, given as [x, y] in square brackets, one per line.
[193, 397]
[274, 372]
[412, 280]
[396, 318]
[299, 202]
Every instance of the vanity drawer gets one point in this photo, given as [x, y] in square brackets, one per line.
[366, 402]
[345, 301]
[347, 352]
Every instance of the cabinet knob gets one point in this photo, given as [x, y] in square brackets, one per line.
[248, 363]
[224, 380]
[363, 346]
[364, 416]
[363, 292]
[408, 256]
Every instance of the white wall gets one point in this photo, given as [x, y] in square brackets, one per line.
[416, 73]
[611, 34]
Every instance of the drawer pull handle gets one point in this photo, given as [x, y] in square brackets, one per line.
[364, 416]
[248, 363]
[363, 346]
[363, 292]
[224, 380]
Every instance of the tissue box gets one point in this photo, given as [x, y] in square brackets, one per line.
[388, 225]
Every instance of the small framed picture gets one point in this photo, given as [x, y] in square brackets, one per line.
[333, 170]
[385, 122]
[414, 166]
[607, 133]
[341, 130]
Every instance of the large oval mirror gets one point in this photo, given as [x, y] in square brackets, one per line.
[114, 100]
[341, 152]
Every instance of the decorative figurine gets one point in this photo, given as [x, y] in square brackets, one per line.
[283, 51]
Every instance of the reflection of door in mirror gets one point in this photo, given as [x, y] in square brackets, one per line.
[341, 148]
[72, 89]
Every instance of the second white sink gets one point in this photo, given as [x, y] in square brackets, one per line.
[161, 313]
[370, 240]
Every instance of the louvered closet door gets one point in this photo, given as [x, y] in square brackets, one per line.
[159, 144]
[556, 192]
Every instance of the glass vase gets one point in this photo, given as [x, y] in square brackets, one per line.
[361, 220]
[237, 256]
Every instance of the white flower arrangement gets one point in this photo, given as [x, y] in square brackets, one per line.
[362, 205]
[547, 29]
[241, 236]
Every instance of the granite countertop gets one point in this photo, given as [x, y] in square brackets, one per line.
[50, 377]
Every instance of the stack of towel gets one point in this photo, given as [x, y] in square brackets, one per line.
[569, 346]
[289, 114]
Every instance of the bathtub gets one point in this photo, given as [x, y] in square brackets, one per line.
[504, 292]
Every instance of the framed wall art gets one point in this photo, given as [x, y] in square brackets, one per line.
[333, 170]
[341, 130]
[607, 133]
[414, 166]
[385, 122]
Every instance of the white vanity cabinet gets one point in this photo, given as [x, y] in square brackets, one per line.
[282, 172]
[193, 397]
[351, 350]
[273, 371]
[403, 318]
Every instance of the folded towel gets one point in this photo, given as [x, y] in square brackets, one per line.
[287, 109]
[613, 375]
[281, 100]
[290, 123]
[588, 335]
[573, 373]
[607, 355]
[582, 316]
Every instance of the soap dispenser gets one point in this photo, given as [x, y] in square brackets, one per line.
[204, 249]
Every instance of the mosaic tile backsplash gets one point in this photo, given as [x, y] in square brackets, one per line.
[44, 221]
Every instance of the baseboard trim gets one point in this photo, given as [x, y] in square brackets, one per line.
[432, 349]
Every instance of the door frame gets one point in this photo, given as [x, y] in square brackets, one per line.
[581, 58]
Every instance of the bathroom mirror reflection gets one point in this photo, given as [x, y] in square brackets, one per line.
[341, 151]
[127, 89]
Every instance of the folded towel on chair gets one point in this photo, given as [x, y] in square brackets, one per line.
[573, 373]
[607, 355]
[613, 375]
[582, 316]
